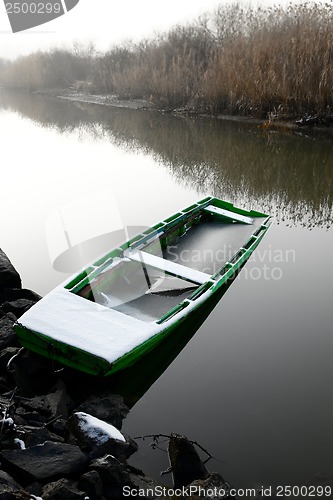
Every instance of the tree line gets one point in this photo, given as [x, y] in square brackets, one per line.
[235, 60]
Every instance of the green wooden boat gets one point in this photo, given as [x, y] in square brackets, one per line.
[121, 305]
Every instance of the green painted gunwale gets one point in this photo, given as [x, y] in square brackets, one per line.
[94, 365]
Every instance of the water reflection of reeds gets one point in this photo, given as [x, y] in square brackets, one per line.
[284, 173]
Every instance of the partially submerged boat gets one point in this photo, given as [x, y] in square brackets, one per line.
[120, 306]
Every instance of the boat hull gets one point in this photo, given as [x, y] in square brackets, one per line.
[175, 318]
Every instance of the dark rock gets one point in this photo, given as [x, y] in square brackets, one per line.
[7, 442]
[7, 423]
[54, 404]
[23, 417]
[7, 483]
[185, 462]
[12, 294]
[18, 306]
[88, 430]
[32, 436]
[63, 489]
[213, 483]
[7, 334]
[32, 374]
[144, 483]
[111, 409]
[20, 421]
[97, 440]
[9, 277]
[15, 495]
[11, 316]
[35, 489]
[37, 404]
[59, 402]
[91, 484]
[58, 427]
[16, 300]
[113, 474]
[8, 433]
[44, 463]
[5, 384]
[118, 449]
[7, 407]
[7, 354]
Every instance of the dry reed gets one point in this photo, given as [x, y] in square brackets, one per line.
[275, 61]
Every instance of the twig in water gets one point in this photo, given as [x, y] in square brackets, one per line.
[156, 438]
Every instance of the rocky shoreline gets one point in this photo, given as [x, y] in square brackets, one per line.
[59, 440]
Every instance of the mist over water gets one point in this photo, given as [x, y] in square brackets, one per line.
[253, 385]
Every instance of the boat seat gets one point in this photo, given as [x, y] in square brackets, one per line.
[168, 266]
[228, 214]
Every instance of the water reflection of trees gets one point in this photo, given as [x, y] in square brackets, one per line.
[287, 174]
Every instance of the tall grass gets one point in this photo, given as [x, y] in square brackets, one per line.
[274, 59]
[235, 60]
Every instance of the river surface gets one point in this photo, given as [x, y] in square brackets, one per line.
[253, 385]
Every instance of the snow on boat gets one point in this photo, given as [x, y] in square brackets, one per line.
[120, 306]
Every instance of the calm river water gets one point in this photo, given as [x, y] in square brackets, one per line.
[254, 384]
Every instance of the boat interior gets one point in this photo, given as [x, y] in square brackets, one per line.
[177, 259]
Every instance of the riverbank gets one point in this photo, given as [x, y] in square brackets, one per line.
[112, 100]
[269, 63]
[272, 122]
[60, 431]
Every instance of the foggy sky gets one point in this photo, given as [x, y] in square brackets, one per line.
[103, 22]
[108, 22]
